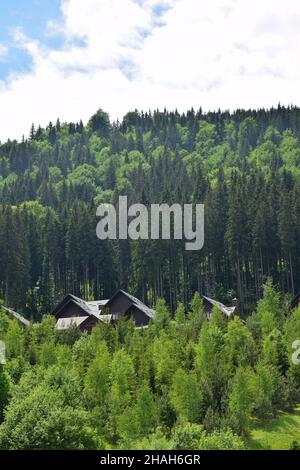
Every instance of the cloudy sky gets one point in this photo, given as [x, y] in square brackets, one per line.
[67, 58]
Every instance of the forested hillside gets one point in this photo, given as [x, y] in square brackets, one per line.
[244, 166]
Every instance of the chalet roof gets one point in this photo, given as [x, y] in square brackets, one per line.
[228, 311]
[16, 316]
[96, 308]
[137, 303]
[64, 323]
[90, 307]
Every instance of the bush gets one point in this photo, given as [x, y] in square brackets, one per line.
[222, 440]
[187, 437]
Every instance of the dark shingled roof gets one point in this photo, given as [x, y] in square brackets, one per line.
[137, 303]
[90, 307]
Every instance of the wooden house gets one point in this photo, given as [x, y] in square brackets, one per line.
[126, 304]
[86, 314]
[76, 311]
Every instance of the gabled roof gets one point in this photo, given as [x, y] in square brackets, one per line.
[16, 316]
[95, 307]
[90, 307]
[135, 302]
[228, 311]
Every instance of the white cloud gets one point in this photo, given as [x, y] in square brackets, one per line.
[136, 54]
[3, 51]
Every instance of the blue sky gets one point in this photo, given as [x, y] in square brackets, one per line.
[67, 58]
[32, 16]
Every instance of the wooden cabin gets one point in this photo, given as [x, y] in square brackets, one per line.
[85, 314]
[79, 312]
[227, 312]
[125, 304]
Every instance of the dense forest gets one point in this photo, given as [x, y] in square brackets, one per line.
[183, 383]
[244, 166]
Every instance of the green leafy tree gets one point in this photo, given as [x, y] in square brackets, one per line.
[138, 421]
[41, 421]
[186, 396]
[269, 309]
[241, 399]
[187, 436]
[222, 440]
[97, 378]
[5, 386]
[14, 340]
[265, 389]
[210, 365]
[196, 315]
[162, 317]
[239, 345]
[166, 359]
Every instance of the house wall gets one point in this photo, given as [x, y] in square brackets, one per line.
[89, 324]
[139, 317]
[119, 304]
[71, 310]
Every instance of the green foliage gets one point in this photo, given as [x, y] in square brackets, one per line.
[97, 377]
[222, 440]
[138, 421]
[274, 351]
[241, 400]
[145, 410]
[4, 323]
[162, 317]
[239, 345]
[166, 359]
[180, 315]
[186, 396]
[120, 387]
[14, 340]
[99, 123]
[217, 319]
[265, 389]
[164, 388]
[187, 436]
[5, 385]
[42, 421]
[210, 365]
[122, 380]
[196, 316]
[244, 165]
[292, 329]
[269, 309]
[155, 441]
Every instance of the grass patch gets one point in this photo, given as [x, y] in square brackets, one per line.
[277, 433]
